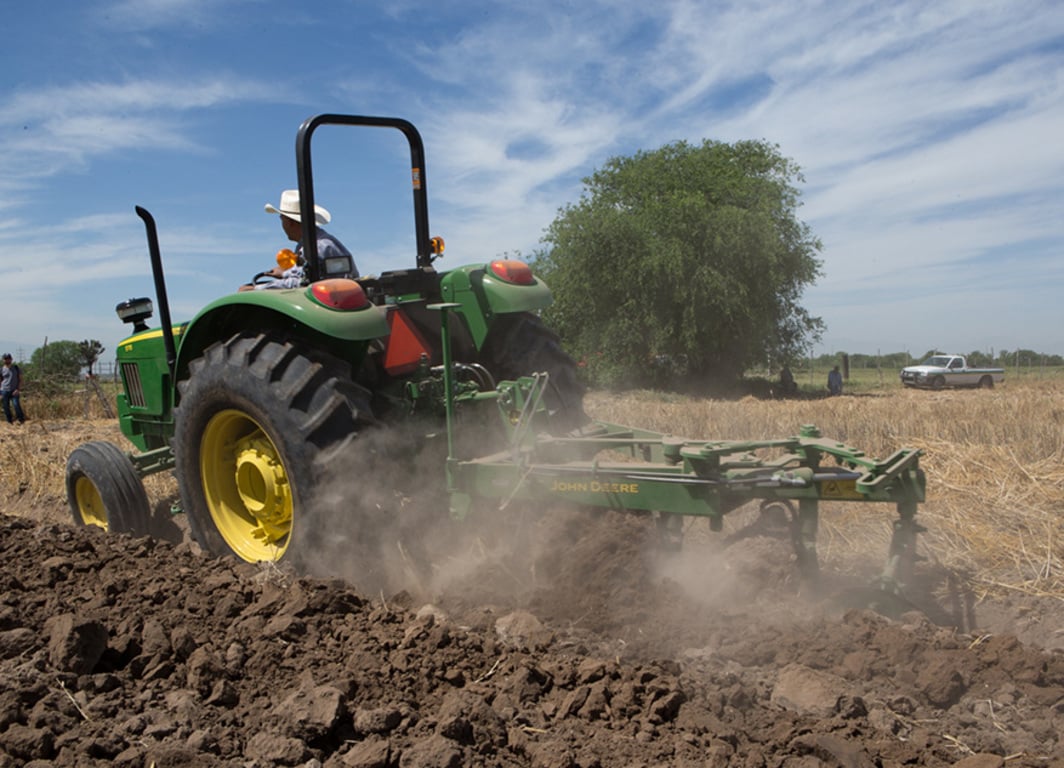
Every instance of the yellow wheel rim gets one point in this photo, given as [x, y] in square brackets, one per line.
[90, 504]
[246, 486]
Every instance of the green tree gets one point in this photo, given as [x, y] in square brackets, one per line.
[57, 360]
[683, 265]
[90, 352]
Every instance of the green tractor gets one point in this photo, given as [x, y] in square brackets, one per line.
[265, 402]
[256, 401]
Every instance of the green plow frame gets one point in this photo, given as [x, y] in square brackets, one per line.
[623, 468]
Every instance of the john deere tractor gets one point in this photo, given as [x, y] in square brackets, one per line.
[255, 400]
[264, 399]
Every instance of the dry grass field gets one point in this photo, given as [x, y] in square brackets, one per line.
[994, 460]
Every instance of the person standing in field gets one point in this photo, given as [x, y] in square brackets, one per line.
[10, 391]
[835, 381]
[787, 383]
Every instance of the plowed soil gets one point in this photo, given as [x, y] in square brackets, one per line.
[571, 638]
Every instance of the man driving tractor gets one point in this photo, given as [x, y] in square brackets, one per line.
[289, 271]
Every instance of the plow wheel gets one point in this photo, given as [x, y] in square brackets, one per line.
[775, 517]
[256, 437]
[104, 489]
[781, 518]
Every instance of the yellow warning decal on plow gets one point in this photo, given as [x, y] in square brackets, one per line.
[839, 489]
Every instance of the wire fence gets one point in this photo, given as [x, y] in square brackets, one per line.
[107, 371]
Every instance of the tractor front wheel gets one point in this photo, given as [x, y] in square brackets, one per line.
[255, 435]
[104, 489]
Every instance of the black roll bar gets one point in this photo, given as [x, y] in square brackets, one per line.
[306, 182]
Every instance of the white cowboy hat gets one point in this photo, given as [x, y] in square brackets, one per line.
[290, 207]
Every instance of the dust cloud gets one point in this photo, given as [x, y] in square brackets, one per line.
[382, 520]
[383, 526]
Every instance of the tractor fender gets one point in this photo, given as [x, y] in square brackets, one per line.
[345, 332]
[482, 295]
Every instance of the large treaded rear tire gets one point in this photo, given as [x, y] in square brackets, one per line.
[104, 489]
[519, 345]
[257, 432]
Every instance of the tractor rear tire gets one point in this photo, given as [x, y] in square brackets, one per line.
[259, 429]
[104, 489]
[519, 345]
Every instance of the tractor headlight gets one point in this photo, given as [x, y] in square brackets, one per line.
[136, 311]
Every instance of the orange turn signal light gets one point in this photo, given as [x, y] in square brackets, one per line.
[286, 259]
[512, 271]
[339, 293]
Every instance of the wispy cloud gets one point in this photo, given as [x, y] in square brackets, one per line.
[191, 15]
[45, 131]
[138, 95]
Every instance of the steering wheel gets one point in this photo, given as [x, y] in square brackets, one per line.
[262, 277]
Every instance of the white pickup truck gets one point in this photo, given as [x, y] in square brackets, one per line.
[940, 371]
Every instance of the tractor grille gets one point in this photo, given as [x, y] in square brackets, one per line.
[134, 389]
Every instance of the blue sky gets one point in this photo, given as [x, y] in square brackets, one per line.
[929, 135]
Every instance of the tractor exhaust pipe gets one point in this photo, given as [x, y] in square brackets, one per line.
[160, 288]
